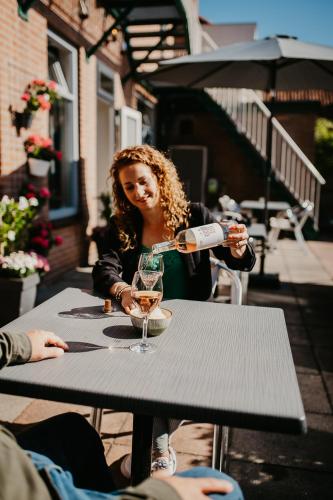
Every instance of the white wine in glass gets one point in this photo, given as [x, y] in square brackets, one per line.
[147, 294]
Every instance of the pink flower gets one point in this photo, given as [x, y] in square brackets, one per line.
[43, 103]
[44, 233]
[58, 240]
[31, 187]
[26, 96]
[41, 83]
[47, 142]
[58, 155]
[30, 195]
[37, 240]
[52, 85]
[44, 192]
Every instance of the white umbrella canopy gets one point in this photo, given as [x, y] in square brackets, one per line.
[276, 63]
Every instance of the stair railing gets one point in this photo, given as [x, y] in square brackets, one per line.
[289, 164]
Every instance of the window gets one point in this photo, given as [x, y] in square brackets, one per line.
[147, 111]
[130, 127]
[63, 129]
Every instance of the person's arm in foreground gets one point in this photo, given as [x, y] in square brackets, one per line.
[34, 345]
[176, 488]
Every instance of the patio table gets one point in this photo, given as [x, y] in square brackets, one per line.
[260, 205]
[216, 363]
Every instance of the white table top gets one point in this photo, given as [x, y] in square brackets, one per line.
[216, 363]
[260, 205]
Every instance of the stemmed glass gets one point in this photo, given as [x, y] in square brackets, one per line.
[151, 262]
[147, 292]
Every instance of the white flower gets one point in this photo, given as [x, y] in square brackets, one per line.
[33, 202]
[5, 200]
[11, 235]
[23, 203]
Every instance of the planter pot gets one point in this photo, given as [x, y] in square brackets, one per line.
[21, 119]
[18, 296]
[38, 168]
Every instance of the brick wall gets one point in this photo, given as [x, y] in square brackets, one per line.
[23, 57]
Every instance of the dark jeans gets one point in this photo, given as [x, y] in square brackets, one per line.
[71, 453]
[73, 444]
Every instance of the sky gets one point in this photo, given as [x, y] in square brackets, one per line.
[309, 20]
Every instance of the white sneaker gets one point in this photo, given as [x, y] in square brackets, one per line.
[165, 466]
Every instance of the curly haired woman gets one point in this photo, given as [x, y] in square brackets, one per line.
[150, 206]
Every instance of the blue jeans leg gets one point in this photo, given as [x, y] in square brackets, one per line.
[236, 493]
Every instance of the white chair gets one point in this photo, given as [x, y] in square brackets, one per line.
[291, 220]
[230, 209]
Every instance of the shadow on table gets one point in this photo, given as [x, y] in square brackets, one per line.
[83, 347]
[91, 312]
[121, 332]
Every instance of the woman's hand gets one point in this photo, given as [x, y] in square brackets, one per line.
[127, 301]
[237, 240]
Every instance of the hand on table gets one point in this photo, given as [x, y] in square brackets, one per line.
[189, 488]
[237, 240]
[127, 301]
[45, 345]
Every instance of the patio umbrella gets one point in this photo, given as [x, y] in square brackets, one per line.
[271, 64]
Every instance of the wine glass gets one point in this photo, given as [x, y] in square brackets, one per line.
[147, 292]
[150, 262]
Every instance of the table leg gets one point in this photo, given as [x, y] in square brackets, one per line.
[220, 447]
[141, 448]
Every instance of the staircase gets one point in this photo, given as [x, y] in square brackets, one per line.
[290, 166]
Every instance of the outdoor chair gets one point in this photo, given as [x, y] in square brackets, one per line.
[291, 220]
[231, 210]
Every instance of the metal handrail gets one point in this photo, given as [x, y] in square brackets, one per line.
[289, 164]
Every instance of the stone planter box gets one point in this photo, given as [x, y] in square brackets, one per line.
[18, 296]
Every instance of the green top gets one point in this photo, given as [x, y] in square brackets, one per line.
[175, 282]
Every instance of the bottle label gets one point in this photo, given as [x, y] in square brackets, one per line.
[210, 235]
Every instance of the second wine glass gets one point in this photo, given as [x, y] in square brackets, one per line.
[147, 292]
[150, 262]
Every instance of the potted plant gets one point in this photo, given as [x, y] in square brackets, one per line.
[40, 153]
[20, 266]
[18, 281]
[40, 94]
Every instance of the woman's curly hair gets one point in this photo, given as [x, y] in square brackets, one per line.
[173, 200]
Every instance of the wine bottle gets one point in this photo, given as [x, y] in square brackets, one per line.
[196, 238]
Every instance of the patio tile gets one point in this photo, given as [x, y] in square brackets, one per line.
[124, 437]
[40, 410]
[12, 406]
[298, 335]
[187, 460]
[112, 426]
[328, 379]
[194, 438]
[313, 451]
[266, 481]
[321, 336]
[313, 393]
[304, 359]
[325, 358]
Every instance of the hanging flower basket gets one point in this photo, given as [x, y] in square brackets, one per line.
[39, 168]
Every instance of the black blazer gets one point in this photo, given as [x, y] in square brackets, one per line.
[120, 266]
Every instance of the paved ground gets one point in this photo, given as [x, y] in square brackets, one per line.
[268, 466]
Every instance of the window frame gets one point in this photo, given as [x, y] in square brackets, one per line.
[73, 140]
